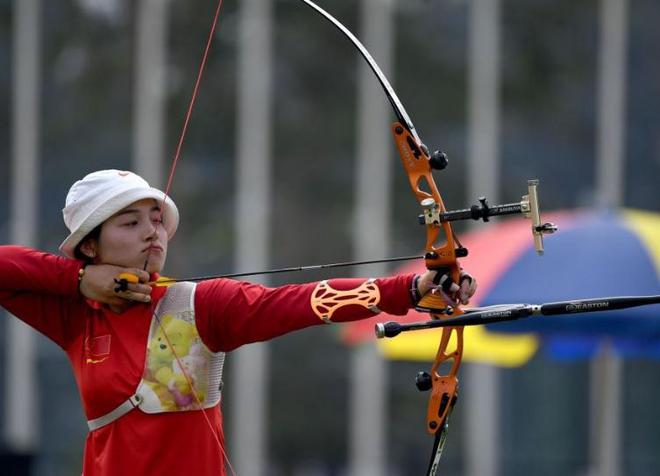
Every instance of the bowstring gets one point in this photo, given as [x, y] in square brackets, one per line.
[198, 402]
[170, 180]
[193, 100]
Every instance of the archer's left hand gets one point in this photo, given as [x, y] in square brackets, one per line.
[452, 292]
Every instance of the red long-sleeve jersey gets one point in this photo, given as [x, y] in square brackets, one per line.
[107, 353]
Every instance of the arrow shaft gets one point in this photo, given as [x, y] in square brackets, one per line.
[293, 269]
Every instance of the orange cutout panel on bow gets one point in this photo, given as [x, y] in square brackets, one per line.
[445, 387]
[326, 300]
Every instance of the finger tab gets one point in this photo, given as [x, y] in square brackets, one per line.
[129, 277]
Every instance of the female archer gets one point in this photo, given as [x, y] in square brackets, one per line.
[148, 357]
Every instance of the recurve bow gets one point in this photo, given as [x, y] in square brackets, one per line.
[442, 248]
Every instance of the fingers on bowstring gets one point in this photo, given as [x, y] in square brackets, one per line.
[136, 296]
[135, 275]
[121, 285]
[141, 290]
[142, 275]
[130, 286]
[133, 292]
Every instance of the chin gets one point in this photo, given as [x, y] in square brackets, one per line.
[154, 266]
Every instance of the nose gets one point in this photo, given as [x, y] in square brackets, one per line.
[152, 232]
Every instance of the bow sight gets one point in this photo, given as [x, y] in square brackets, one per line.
[528, 206]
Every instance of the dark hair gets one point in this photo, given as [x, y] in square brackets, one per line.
[92, 235]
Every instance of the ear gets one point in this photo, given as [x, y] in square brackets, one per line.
[89, 247]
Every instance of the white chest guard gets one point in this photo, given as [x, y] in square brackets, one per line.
[180, 372]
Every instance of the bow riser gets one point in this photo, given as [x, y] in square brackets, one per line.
[444, 388]
[418, 169]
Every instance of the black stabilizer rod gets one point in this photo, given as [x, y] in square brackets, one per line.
[598, 304]
[511, 312]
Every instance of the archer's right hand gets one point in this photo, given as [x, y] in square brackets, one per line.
[98, 284]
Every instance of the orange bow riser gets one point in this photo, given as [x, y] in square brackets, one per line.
[442, 257]
[442, 248]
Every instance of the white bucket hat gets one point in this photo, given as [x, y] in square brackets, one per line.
[100, 195]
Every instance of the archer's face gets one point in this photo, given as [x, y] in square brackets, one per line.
[134, 236]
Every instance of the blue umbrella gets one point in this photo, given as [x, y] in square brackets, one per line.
[595, 254]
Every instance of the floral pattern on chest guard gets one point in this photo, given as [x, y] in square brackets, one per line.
[180, 372]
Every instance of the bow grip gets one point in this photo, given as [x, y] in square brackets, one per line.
[434, 302]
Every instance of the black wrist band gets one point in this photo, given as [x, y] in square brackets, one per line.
[414, 292]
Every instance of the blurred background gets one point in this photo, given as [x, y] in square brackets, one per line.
[288, 160]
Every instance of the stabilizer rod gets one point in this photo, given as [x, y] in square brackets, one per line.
[512, 312]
